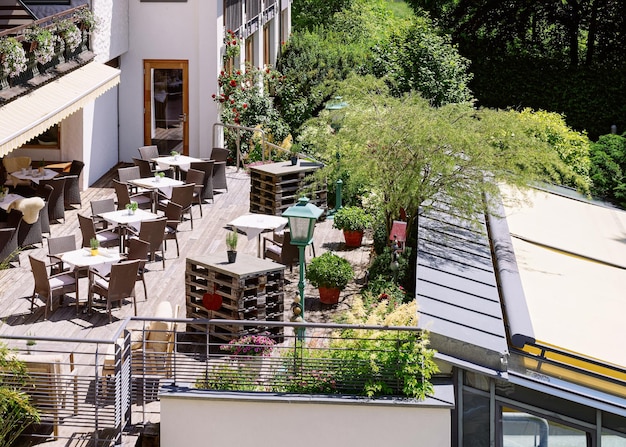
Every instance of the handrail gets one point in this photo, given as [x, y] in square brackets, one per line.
[18, 31]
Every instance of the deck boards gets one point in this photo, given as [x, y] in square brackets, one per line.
[207, 237]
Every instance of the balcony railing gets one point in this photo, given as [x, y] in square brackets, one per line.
[102, 387]
[58, 65]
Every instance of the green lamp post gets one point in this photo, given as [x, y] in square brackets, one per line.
[302, 218]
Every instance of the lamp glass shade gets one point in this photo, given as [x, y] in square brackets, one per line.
[302, 218]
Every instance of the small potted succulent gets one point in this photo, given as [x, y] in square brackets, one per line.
[132, 207]
[231, 245]
[94, 244]
[330, 273]
[353, 221]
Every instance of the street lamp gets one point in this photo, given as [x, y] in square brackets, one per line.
[302, 217]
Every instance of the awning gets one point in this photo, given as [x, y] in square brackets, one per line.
[28, 116]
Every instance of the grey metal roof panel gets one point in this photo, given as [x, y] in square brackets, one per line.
[456, 289]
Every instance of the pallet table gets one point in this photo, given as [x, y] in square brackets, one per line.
[274, 187]
[250, 288]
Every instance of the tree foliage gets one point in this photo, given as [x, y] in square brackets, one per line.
[609, 168]
[416, 58]
[415, 156]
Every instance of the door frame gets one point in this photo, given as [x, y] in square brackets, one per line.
[148, 66]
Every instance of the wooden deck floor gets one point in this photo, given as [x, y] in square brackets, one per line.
[208, 236]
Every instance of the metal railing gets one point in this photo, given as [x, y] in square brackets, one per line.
[100, 388]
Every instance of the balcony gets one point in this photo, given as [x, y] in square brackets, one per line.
[36, 64]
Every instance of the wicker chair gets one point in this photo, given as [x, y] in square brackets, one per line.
[207, 167]
[30, 232]
[57, 245]
[117, 286]
[71, 193]
[146, 170]
[153, 232]
[138, 250]
[106, 238]
[183, 195]
[280, 249]
[124, 197]
[148, 152]
[98, 207]
[56, 204]
[45, 191]
[197, 178]
[173, 211]
[47, 287]
[8, 244]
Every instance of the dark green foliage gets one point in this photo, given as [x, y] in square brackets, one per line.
[329, 270]
[608, 173]
[381, 237]
[418, 59]
[309, 14]
[380, 267]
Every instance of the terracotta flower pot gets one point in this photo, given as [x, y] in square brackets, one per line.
[353, 238]
[329, 295]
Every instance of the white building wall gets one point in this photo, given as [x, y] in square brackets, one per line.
[110, 38]
[171, 31]
[187, 421]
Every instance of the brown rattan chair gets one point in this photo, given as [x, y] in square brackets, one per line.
[280, 249]
[153, 232]
[138, 250]
[106, 238]
[124, 197]
[57, 245]
[183, 195]
[148, 152]
[207, 168]
[30, 232]
[146, 170]
[45, 191]
[117, 286]
[220, 157]
[173, 212]
[197, 178]
[47, 287]
[98, 207]
[56, 204]
[9, 243]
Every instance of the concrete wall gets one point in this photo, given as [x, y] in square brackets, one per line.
[196, 419]
[110, 38]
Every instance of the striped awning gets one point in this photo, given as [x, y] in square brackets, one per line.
[28, 116]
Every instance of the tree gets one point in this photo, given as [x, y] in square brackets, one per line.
[609, 168]
[416, 157]
[416, 58]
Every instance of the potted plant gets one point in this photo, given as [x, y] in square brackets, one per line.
[12, 57]
[293, 154]
[231, 244]
[69, 33]
[353, 221]
[41, 43]
[330, 273]
[94, 244]
[158, 176]
[174, 154]
[85, 19]
[132, 207]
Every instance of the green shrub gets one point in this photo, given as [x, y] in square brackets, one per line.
[380, 267]
[608, 172]
[352, 218]
[329, 270]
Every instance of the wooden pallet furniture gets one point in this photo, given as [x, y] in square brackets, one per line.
[274, 187]
[250, 289]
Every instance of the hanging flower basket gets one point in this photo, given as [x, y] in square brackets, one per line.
[43, 41]
[12, 58]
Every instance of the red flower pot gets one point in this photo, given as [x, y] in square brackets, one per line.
[329, 295]
[353, 238]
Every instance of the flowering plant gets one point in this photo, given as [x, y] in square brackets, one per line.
[12, 57]
[86, 18]
[69, 32]
[232, 44]
[44, 51]
[250, 345]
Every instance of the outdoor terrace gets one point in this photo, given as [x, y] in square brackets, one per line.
[92, 339]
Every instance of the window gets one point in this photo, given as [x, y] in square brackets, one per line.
[50, 139]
